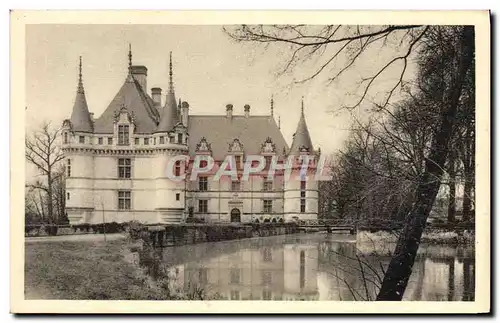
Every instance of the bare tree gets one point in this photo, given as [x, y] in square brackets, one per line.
[443, 49]
[42, 150]
[461, 39]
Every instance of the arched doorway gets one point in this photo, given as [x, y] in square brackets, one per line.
[235, 215]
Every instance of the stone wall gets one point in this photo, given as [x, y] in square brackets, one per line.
[182, 234]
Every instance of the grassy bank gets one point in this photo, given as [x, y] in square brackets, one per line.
[84, 270]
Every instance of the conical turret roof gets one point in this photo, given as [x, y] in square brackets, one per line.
[80, 116]
[169, 115]
[131, 96]
[301, 138]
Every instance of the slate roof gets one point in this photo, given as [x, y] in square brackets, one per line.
[136, 101]
[301, 137]
[80, 116]
[220, 131]
[169, 115]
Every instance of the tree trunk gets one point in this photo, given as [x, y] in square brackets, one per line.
[466, 210]
[452, 210]
[400, 267]
[469, 173]
[50, 206]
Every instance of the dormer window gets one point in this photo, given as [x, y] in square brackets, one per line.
[136, 140]
[146, 141]
[99, 140]
[81, 139]
[123, 135]
[179, 138]
[65, 137]
[162, 140]
[110, 141]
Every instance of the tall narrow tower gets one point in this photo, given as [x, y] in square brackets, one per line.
[77, 135]
[172, 138]
[301, 189]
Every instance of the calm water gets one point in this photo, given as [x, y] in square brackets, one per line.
[307, 267]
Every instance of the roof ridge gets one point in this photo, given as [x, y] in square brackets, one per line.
[234, 116]
[152, 115]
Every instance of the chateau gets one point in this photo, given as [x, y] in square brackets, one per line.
[116, 164]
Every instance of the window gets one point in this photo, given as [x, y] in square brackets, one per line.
[267, 278]
[177, 196]
[81, 139]
[235, 295]
[136, 141]
[203, 183]
[202, 206]
[124, 200]
[154, 141]
[162, 140]
[146, 141]
[302, 196]
[110, 141]
[99, 140]
[237, 160]
[65, 137]
[124, 167]
[268, 185]
[68, 168]
[235, 276]
[268, 206]
[203, 163]
[267, 255]
[235, 186]
[171, 140]
[268, 161]
[179, 138]
[123, 135]
[267, 295]
[67, 196]
[177, 169]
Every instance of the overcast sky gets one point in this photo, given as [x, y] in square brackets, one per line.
[210, 70]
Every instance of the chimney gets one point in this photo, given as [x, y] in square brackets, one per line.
[247, 110]
[140, 74]
[229, 110]
[92, 116]
[185, 113]
[156, 95]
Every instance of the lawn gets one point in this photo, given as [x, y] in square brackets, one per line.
[83, 270]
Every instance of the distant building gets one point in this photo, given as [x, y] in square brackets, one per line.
[116, 164]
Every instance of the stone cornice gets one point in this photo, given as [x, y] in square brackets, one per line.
[122, 151]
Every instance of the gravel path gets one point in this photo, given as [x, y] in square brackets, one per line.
[76, 237]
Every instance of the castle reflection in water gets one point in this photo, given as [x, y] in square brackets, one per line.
[312, 267]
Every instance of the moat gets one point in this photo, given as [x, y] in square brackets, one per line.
[308, 267]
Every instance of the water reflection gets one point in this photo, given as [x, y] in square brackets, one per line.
[310, 267]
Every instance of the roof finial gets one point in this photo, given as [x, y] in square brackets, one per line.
[302, 108]
[171, 74]
[80, 81]
[272, 105]
[279, 122]
[129, 58]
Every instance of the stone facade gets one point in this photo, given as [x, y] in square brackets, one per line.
[116, 165]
